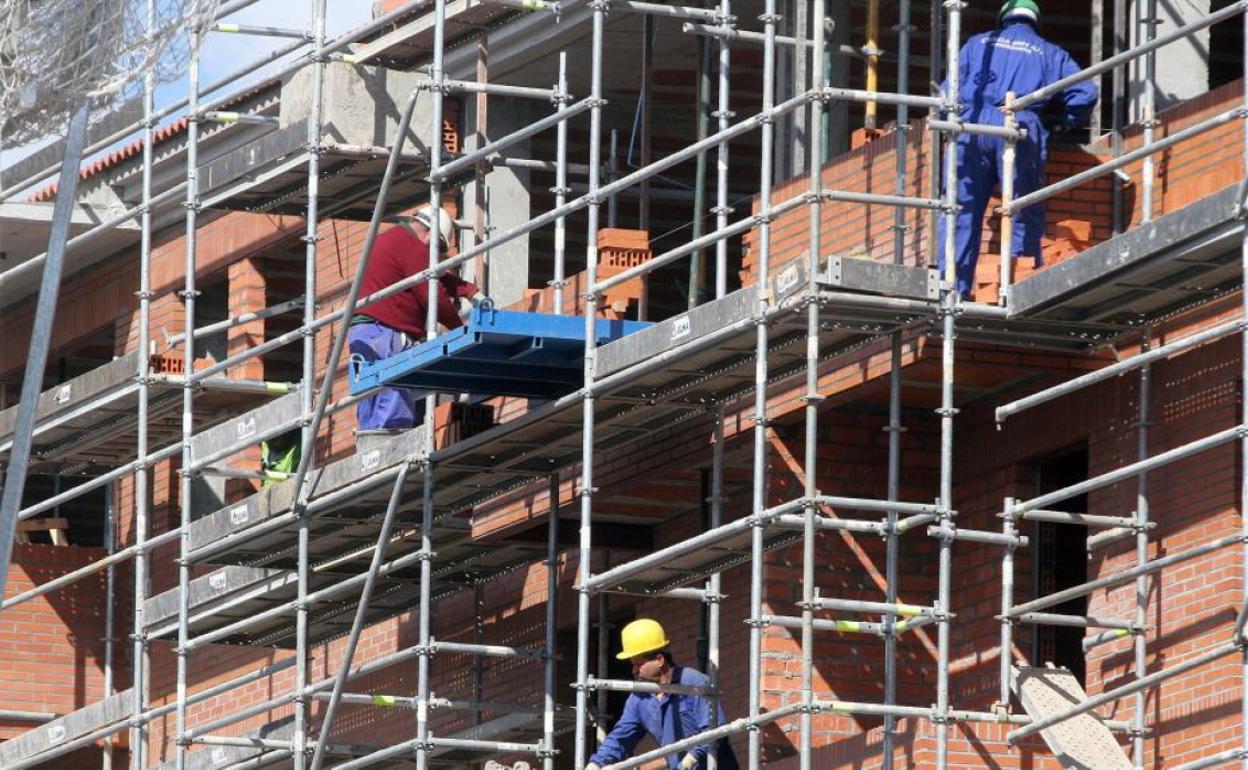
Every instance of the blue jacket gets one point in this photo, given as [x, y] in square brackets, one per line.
[667, 719]
[1016, 58]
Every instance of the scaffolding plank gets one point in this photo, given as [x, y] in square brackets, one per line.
[695, 567]
[497, 353]
[46, 737]
[1178, 259]
[1082, 742]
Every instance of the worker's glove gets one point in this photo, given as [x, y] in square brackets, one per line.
[592, 766]
[466, 308]
[689, 762]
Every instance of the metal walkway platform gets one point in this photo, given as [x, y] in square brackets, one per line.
[648, 381]
[78, 724]
[1178, 260]
[496, 353]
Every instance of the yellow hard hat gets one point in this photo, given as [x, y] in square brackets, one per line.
[641, 636]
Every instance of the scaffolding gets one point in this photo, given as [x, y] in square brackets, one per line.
[291, 558]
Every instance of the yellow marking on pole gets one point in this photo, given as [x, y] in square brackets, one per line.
[383, 700]
[848, 625]
[227, 27]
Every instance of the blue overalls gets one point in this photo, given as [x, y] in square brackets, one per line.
[667, 720]
[1014, 58]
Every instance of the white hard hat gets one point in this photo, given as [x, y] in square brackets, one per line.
[424, 215]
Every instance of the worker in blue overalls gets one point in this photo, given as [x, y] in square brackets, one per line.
[666, 717]
[1013, 58]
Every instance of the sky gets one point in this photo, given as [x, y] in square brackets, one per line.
[224, 52]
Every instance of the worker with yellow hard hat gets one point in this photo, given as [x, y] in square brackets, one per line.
[667, 717]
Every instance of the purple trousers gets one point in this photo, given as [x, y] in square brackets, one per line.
[387, 408]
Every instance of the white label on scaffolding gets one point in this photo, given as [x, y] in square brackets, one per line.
[64, 393]
[238, 515]
[219, 756]
[680, 327]
[787, 279]
[560, 237]
[56, 734]
[245, 428]
[216, 581]
[370, 460]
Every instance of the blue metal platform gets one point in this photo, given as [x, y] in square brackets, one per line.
[497, 353]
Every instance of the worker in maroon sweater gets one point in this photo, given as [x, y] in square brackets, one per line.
[383, 328]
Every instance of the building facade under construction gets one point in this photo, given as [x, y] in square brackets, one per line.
[719, 383]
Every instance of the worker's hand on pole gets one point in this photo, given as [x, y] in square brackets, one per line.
[689, 762]
[592, 766]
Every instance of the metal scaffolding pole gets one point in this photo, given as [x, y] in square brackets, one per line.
[948, 311]
[139, 659]
[812, 398]
[724, 115]
[585, 554]
[713, 583]
[1243, 443]
[188, 393]
[759, 470]
[1140, 641]
[561, 188]
[437, 86]
[550, 661]
[308, 437]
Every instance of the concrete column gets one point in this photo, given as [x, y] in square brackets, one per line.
[1183, 66]
[506, 196]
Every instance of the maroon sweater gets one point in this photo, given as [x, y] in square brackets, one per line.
[397, 254]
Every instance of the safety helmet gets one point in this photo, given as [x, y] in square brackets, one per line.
[641, 636]
[424, 215]
[1023, 9]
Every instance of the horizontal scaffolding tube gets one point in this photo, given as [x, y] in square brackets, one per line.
[1127, 158]
[856, 95]
[978, 536]
[1074, 621]
[1109, 696]
[1129, 471]
[478, 706]
[1006, 411]
[981, 129]
[1108, 537]
[238, 320]
[662, 9]
[906, 201]
[1053, 89]
[226, 740]
[1087, 520]
[502, 89]
[502, 747]
[487, 650]
[1105, 637]
[797, 522]
[1123, 577]
[227, 27]
[630, 685]
[879, 608]
[264, 435]
[28, 716]
[709, 736]
[1230, 755]
[471, 159]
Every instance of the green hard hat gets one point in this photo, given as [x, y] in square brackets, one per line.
[1024, 8]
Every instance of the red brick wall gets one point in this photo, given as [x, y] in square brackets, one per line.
[51, 647]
